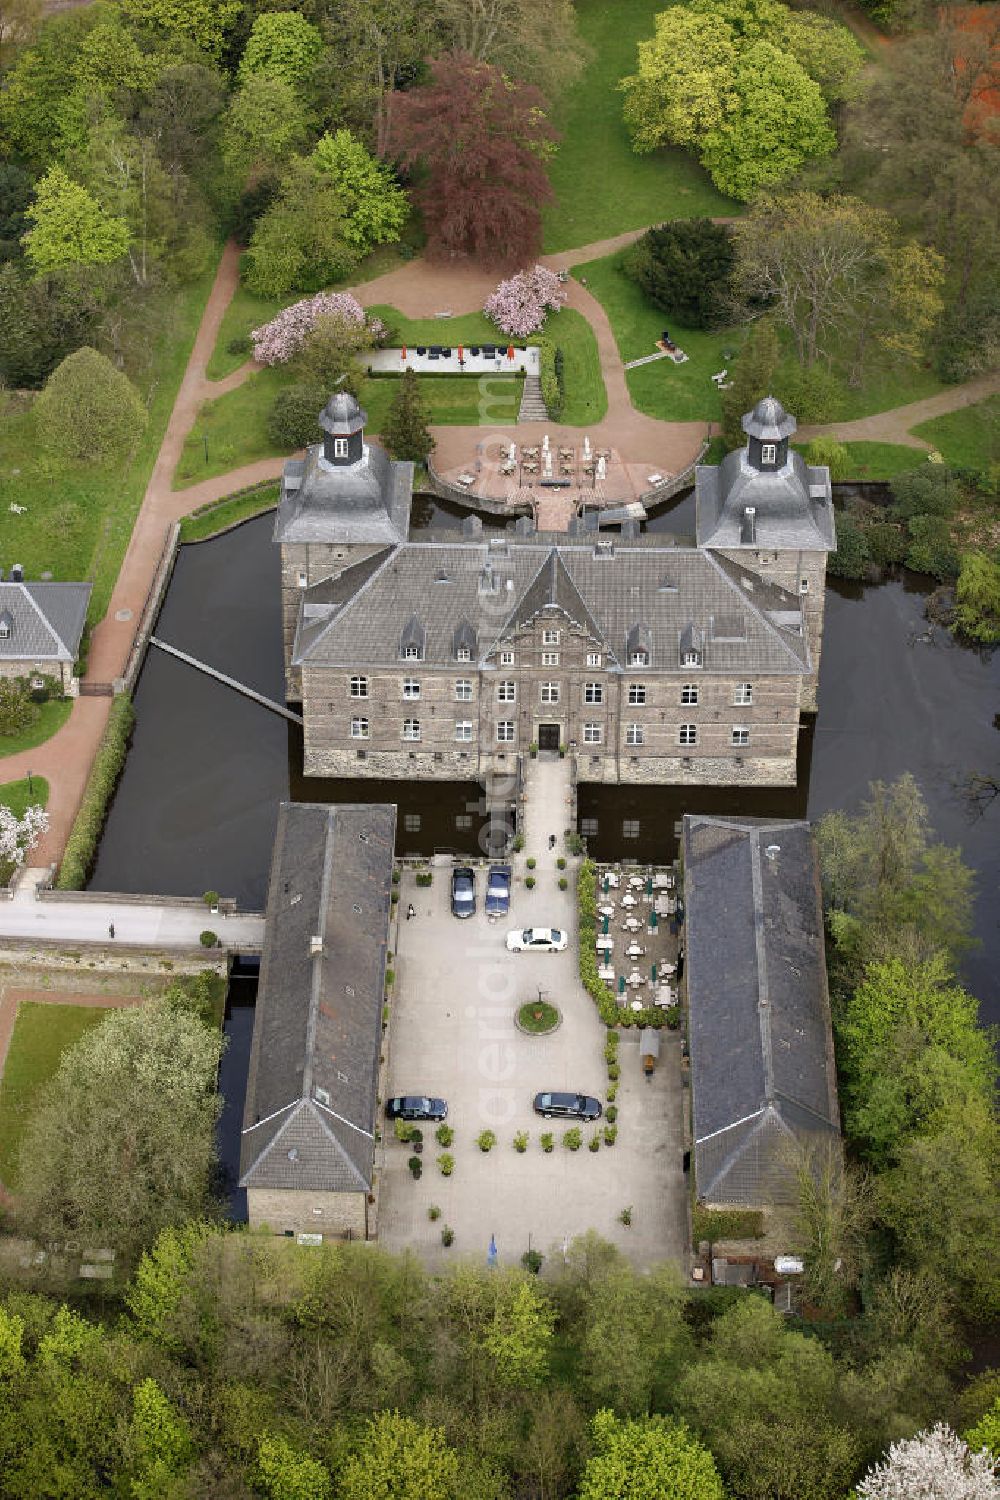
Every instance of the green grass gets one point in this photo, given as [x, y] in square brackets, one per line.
[538, 1017]
[467, 328]
[52, 717]
[235, 426]
[968, 438]
[211, 519]
[16, 796]
[79, 517]
[725, 1224]
[674, 393]
[874, 461]
[601, 186]
[41, 1035]
[586, 398]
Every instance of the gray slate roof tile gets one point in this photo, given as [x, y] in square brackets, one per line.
[794, 504]
[47, 620]
[364, 502]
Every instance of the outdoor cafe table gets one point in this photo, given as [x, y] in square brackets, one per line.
[606, 911]
[631, 924]
[628, 899]
[636, 882]
[604, 944]
[637, 1005]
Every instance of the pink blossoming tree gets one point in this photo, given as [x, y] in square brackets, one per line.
[277, 342]
[519, 305]
[18, 836]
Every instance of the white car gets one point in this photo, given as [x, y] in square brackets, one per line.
[536, 940]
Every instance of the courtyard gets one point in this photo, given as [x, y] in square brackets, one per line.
[452, 1034]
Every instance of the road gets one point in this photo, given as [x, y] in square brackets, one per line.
[157, 926]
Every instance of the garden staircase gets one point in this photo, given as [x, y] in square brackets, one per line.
[532, 408]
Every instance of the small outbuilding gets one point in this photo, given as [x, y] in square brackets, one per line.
[41, 625]
[308, 1143]
[763, 1078]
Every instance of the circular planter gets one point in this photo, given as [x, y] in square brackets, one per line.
[538, 1018]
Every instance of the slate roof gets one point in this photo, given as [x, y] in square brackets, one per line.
[793, 505]
[364, 502]
[46, 620]
[309, 1118]
[762, 1063]
[498, 589]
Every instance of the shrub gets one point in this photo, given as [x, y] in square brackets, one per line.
[517, 843]
[612, 1093]
[531, 1260]
[415, 1165]
[211, 899]
[444, 1135]
[575, 844]
[390, 978]
[614, 1072]
[550, 377]
[82, 842]
[563, 883]
[611, 1113]
[395, 876]
[447, 1163]
[586, 897]
[239, 345]
[394, 898]
[208, 939]
[447, 1236]
[529, 881]
[519, 305]
[611, 1037]
[385, 1014]
[978, 595]
[813, 394]
[595, 1141]
[625, 1217]
[685, 268]
[89, 409]
[827, 452]
[931, 490]
[851, 558]
[611, 1048]
[486, 1140]
[931, 547]
[417, 1139]
[425, 878]
[547, 1141]
[293, 421]
[404, 1131]
[531, 862]
[573, 1138]
[17, 709]
[610, 1134]
[433, 1212]
[560, 863]
[521, 1141]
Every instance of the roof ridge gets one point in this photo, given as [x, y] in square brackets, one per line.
[505, 628]
[391, 548]
[22, 584]
[759, 615]
[295, 1105]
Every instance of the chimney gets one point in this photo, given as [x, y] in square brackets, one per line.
[17, 573]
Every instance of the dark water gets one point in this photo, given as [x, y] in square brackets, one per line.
[238, 1031]
[197, 804]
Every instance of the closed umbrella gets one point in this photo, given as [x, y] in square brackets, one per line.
[460, 354]
[402, 352]
[605, 922]
[510, 351]
[653, 974]
[649, 885]
[653, 921]
[621, 984]
[606, 885]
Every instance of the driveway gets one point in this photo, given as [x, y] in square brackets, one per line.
[452, 1033]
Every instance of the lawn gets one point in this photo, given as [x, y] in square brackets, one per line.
[41, 1035]
[875, 461]
[212, 519]
[78, 518]
[52, 716]
[601, 186]
[16, 795]
[968, 438]
[674, 393]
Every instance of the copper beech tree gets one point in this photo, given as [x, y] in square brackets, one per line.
[479, 141]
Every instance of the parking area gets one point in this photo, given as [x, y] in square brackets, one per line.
[452, 1033]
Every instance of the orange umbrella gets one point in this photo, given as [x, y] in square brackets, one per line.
[510, 351]
[402, 352]
[460, 354]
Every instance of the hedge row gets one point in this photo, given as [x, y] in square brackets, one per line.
[81, 846]
[603, 998]
[550, 374]
[208, 520]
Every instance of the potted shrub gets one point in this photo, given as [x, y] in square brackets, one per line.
[444, 1135]
[595, 1141]
[416, 1166]
[417, 1141]
[531, 1260]
[573, 1138]
[447, 1163]
[611, 1113]
[563, 883]
[208, 939]
[211, 900]
[625, 1217]
[447, 1236]
[531, 861]
[403, 1130]
[425, 877]
[518, 843]
[560, 863]
[610, 1134]
[433, 1212]
[612, 1093]
[529, 881]
[548, 1141]
[486, 1140]
[614, 1072]
[521, 1141]
[533, 750]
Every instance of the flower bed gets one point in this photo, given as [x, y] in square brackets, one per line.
[538, 1018]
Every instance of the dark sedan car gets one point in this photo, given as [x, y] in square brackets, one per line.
[415, 1107]
[567, 1106]
[498, 891]
[463, 892]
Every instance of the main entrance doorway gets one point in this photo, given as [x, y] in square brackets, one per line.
[548, 736]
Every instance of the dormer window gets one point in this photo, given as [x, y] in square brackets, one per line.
[463, 654]
[411, 653]
[692, 659]
[639, 659]
[6, 625]
[412, 640]
[691, 646]
[768, 453]
[340, 447]
[464, 641]
[638, 646]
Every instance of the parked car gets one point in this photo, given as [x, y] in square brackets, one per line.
[536, 940]
[415, 1107]
[498, 890]
[568, 1106]
[463, 892]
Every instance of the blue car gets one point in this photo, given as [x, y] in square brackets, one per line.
[463, 892]
[498, 891]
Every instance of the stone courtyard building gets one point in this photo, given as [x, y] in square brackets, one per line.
[650, 663]
[41, 625]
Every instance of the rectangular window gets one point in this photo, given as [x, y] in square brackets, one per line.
[550, 637]
[359, 687]
[340, 447]
[639, 659]
[634, 734]
[412, 653]
[588, 828]
[411, 822]
[463, 690]
[768, 453]
[593, 658]
[411, 729]
[550, 692]
[463, 822]
[687, 734]
[636, 692]
[743, 694]
[303, 580]
[463, 654]
[463, 729]
[550, 658]
[741, 735]
[692, 659]
[505, 731]
[593, 692]
[360, 729]
[630, 828]
[411, 687]
[506, 692]
[506, 658]
[689, 694]
[803, 585]
[592, 734]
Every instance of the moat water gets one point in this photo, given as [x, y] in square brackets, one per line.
[196, 807]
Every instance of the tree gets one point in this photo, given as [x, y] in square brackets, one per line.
[158, 1445]
[88, 409]
[406, 433]
[282, 44]
[978, 593]
[519, 305]
[284, 1473]
[684, 84]
[40, 323]
[827, 51]
[123, 1144]
[70, 228]
[181, 114]
[380, 45]
[126, 178]
[536, 41]
[18, 710]
[33, 99]
[777, 123]
[827, 453]
[265, 125]
[986, 1432]
[301, 242]
[685, 268]
[293, 421]
[649, 1459]
[751, 376]
[481, 139]
[936, 1465]
[18, 24]
[204, 22]
[281, 339]
[633, 1338]
[400, 1459]
[833, 1212]
[328, 356]
[374, 205]
[18, 835]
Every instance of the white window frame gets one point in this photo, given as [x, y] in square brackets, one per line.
[550, 658]
[741, 735]
[411, 653]
[359, 687]
[637, 694]
[803, 585]
[303, 580]
[411, 689]
[550, 637]
[692, 659]
[464, 653]
[593, 692]
[341, 447]
[635, 734]
[506, 692]
[463, 689]
[639, 659]
[360, 728]
[411, 730]
[548, 692]
[689, 695]
[593, 734]
[593, 658]
[768, 453]
[506, 658]
[463, 730]
[687, 735]
[505, 731]
[743, 694]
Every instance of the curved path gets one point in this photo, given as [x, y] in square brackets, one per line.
[418, 289]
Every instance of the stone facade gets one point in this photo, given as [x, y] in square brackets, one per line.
[60, 671]
[304, 564]
[41, 625]
[284, 1211]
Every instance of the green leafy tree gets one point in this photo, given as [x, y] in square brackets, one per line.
[378, 44]
[401, 1459]
[204, 22]
[777, 123]
[159, 1443]
[986, 1432]
[827, 51]
[88, 409]
[751, 376]
[18, 711]
[828, 453]
[302, 242]
[406, 432]
[633, 1337]
[266, 124]
[293, 421]
[374, 204]
[978, 595]
[123, 1144]
[284, 1473]
[685, 267]
[649, 1459]
[282, 44]
[328, 357]
[124, 173]
[181, 114]
[833, 1212]
[70, 228]
[33, 99]
[684, 84]
[41, 321]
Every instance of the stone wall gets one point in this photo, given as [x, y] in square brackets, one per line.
[302, 565]
[334, 1215]
[60, 671]
[803, 574]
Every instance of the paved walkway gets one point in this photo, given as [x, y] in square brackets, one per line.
[894, 426]
[155, 926]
